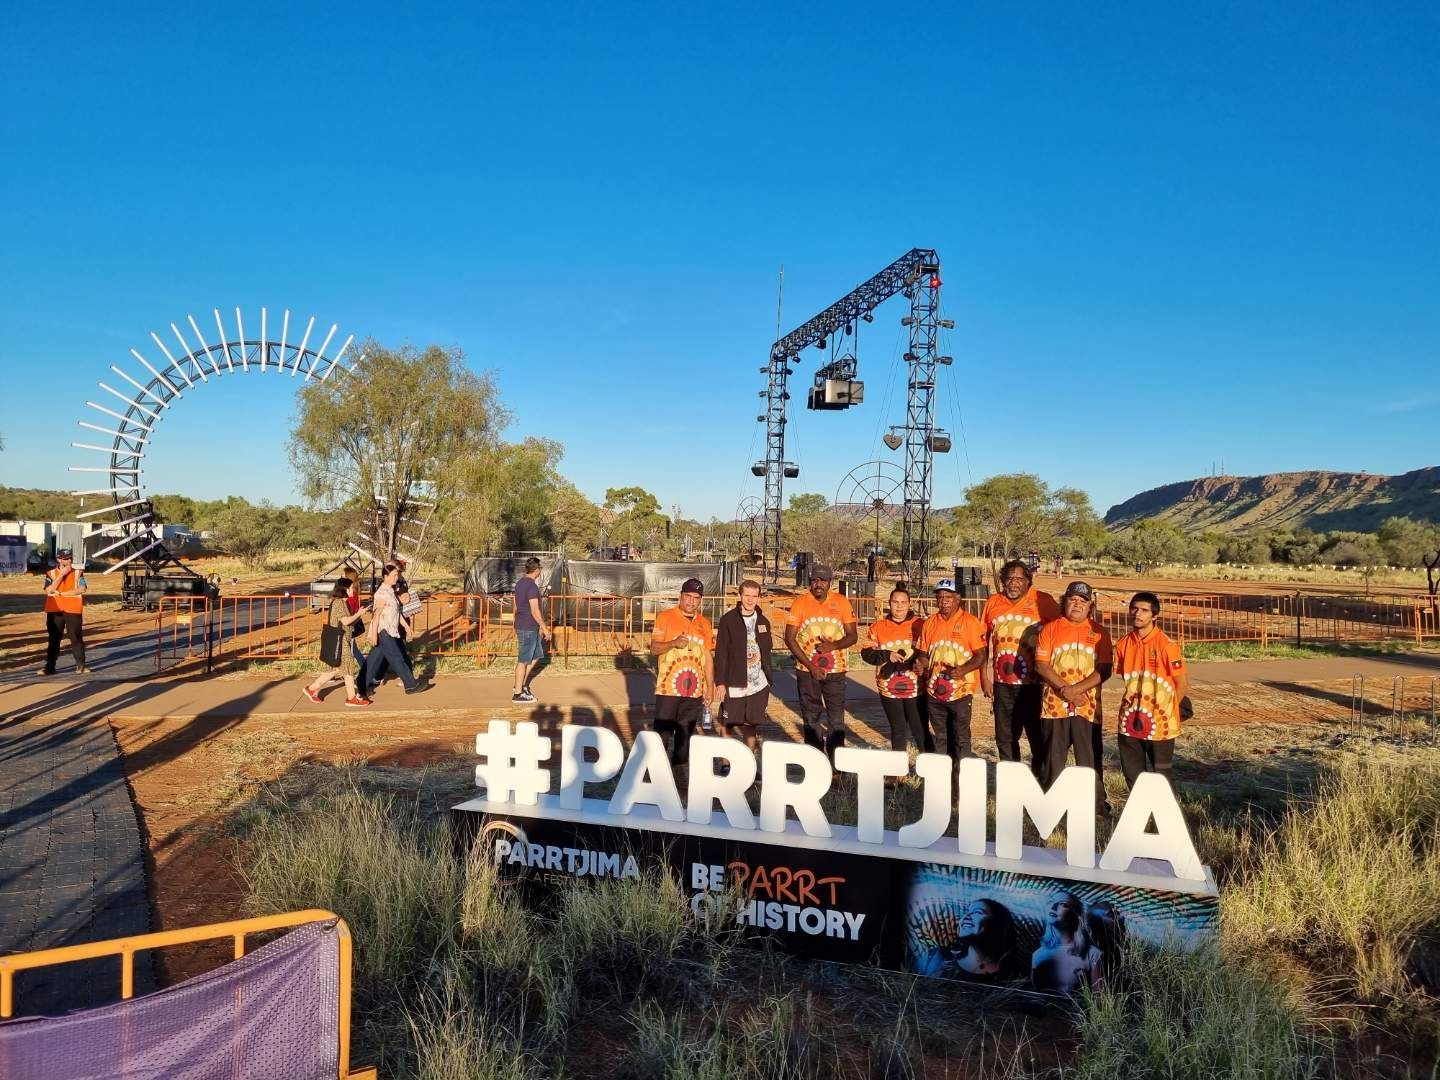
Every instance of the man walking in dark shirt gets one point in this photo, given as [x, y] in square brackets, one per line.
[530, 628]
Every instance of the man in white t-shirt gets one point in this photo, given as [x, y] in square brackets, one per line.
[743, 674]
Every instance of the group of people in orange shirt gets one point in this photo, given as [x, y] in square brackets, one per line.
[1041, 663]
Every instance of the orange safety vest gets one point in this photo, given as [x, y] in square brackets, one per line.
[72, 605]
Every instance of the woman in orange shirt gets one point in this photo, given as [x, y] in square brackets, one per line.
[891, 648]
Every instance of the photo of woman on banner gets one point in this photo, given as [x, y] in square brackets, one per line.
[1067, 959]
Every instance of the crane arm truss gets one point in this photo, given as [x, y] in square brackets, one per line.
[902, 275]
[857, 303]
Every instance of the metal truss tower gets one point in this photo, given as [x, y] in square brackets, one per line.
[912, 274]
[921, 442]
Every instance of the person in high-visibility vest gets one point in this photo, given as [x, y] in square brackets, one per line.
[64, 612]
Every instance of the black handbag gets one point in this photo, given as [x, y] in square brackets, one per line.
[332, 645]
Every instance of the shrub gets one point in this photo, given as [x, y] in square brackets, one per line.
[1351, 883]
[1188, 1016]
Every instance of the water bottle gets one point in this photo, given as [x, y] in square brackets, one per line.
[707, 722]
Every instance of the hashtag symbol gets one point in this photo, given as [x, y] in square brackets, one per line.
[511, 770]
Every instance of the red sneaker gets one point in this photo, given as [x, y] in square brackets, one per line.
[357, 702]
[312, 695]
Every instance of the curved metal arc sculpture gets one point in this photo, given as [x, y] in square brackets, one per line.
[147, 402]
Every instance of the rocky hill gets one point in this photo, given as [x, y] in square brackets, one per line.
[1323, 501]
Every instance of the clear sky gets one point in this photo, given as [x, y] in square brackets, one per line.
[1168, 238]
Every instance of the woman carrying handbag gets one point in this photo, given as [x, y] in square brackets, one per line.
[335, 651]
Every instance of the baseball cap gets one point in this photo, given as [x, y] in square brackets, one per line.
[947, 584]
[694, 585]
[1080, 589]
[821, 572]
[64, 553]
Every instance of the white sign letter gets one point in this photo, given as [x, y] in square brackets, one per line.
[1152, 797]
[575, 771]
[936, 770]
[870, 768]
[779, 792]
[706, 788]
[972, 809]
[1071, 797]
[647, 779]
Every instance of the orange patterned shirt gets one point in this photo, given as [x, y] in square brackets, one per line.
[892, 679]
[1150, 705]
[949, 643]
[1074, 650]
[681, 671]
[821, 620]
[1011, 628]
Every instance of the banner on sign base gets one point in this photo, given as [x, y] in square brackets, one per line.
[1037, 925]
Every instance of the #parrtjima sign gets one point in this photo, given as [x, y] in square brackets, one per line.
[953, 893]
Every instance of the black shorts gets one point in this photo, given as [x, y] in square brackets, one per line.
[684, 710]
[748, 710]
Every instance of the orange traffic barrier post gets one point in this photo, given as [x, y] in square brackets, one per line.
[237, 930]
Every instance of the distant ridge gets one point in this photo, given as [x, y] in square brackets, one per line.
[1323, 501]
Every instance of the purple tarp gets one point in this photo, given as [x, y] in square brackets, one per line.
[271, 1015]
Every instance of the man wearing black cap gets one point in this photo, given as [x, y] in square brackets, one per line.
[819, 628]
[683, 641]
[64, 612]
[1073, 656]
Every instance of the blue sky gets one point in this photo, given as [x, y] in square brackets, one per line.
[1168, 238]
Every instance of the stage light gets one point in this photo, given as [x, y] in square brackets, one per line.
[820, 344]
[935, 282]
[765, 370]
[764, 392]
[910, 358]
[789, 372]
[760, 419]
[867, 316]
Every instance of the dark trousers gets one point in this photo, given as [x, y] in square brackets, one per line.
[955, 717]
[1088, 743]
[907, 726]
[1146, 755]
[67, 624]
[1017, 710]
[677, 717]
[822, 707]
[387, 651]
[375, 674]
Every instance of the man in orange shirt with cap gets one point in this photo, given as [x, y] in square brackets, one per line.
[683, 640]
[951, 652]
[1073, 656]
[64, 612]
[1154, 700]
[819, 628]
[1012, 619]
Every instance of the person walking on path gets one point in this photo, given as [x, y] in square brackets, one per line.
[64, 612]
[743, 673]
[952, 652]
[1073, 656]
[1154, 701]
[530, 629]
[352, 605]
[385, 627]
[820, 627]
[683, 639]
[342, 618]
[1012, 619]
[891, 648]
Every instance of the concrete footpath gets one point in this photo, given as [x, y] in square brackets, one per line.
[617, 691]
